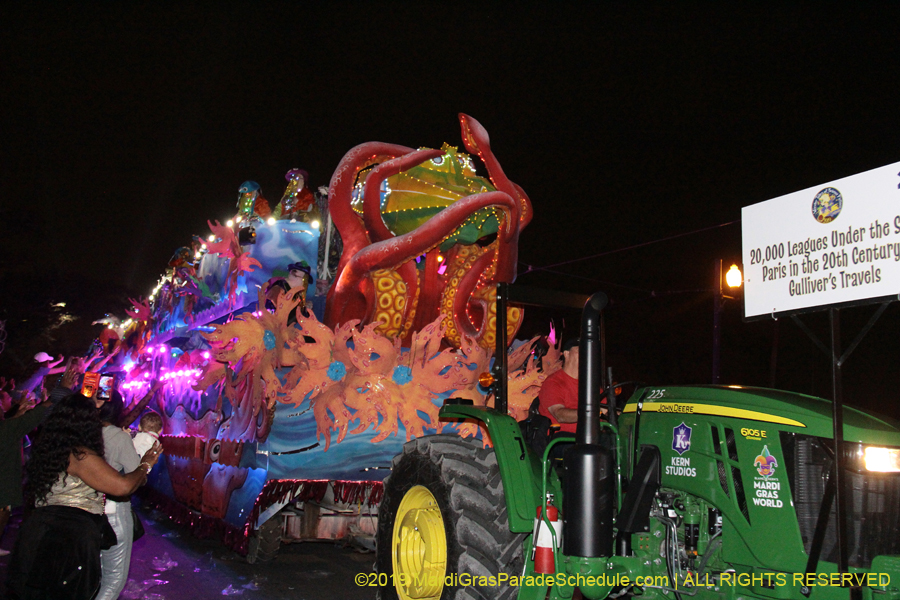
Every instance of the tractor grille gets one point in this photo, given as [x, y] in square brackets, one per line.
[873, 514]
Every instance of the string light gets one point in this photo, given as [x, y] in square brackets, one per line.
[181, 374]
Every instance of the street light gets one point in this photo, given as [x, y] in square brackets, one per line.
[733, 280]
[733, 277]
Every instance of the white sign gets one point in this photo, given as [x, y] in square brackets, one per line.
[830, 244]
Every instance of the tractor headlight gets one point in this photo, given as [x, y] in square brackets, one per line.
[884, 460]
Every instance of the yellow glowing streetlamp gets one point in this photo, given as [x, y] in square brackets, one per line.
[733, 280]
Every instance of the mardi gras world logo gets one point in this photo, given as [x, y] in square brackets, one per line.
[765, 463]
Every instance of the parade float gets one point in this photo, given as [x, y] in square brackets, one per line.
[283, 406]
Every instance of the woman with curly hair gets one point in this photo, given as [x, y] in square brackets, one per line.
[57, 554]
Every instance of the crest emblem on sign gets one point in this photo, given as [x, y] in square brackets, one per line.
[827, 205]
[681, 438]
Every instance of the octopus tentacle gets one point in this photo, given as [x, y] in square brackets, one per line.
[464, 294]
[527, 211]
[476, 139]
[396, 250]
[378, 231]
[340, 191]
[374, 222]
[348, 223]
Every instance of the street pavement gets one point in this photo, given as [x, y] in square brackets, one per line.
[168, 563]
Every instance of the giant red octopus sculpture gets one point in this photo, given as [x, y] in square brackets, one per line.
[379, 278]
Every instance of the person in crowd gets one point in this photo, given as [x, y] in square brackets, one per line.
[6, 399]
[23, 418]
[134, 411]
[12, 430]
[149, 428]
[46, 366]
[57, 554]
[119, 452]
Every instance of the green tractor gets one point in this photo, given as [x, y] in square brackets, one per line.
[692, 491]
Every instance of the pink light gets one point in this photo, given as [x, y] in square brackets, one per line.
[206, 355]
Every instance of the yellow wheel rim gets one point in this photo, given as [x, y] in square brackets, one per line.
[419, 545]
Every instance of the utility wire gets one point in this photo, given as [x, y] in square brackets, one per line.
[532, 268]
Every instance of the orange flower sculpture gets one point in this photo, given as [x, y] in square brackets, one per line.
[260, 343]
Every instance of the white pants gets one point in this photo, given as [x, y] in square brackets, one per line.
[116, 560]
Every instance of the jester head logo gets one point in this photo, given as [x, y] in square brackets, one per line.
[765, 463]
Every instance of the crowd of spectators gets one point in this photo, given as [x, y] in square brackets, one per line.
[82, 466]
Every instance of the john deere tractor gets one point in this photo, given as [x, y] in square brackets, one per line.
[702, 491]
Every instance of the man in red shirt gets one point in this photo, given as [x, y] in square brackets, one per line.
[559, 394]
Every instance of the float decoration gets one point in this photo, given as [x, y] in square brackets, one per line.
[394, 205]
[264, 402]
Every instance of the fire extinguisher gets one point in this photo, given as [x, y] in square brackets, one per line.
[542, 552]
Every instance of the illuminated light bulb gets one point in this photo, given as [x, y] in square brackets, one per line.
[270, 221]
[212, 237]
[733, 277]
[229, 223]
[315, 224]
[238, 218]
[203, 246]
[440, 258]
[197, 255]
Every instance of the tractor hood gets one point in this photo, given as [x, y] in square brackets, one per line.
[787, 410]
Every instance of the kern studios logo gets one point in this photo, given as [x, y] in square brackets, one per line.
[827, 205]
[681, 439]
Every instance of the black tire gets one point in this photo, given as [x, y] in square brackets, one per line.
[264, 544]
[464, 479]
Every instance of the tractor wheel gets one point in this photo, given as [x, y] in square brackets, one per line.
[264, 544]
[443, 515]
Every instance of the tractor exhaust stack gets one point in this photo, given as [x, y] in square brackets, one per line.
[588, 508]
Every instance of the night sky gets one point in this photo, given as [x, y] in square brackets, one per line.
[125, 128]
